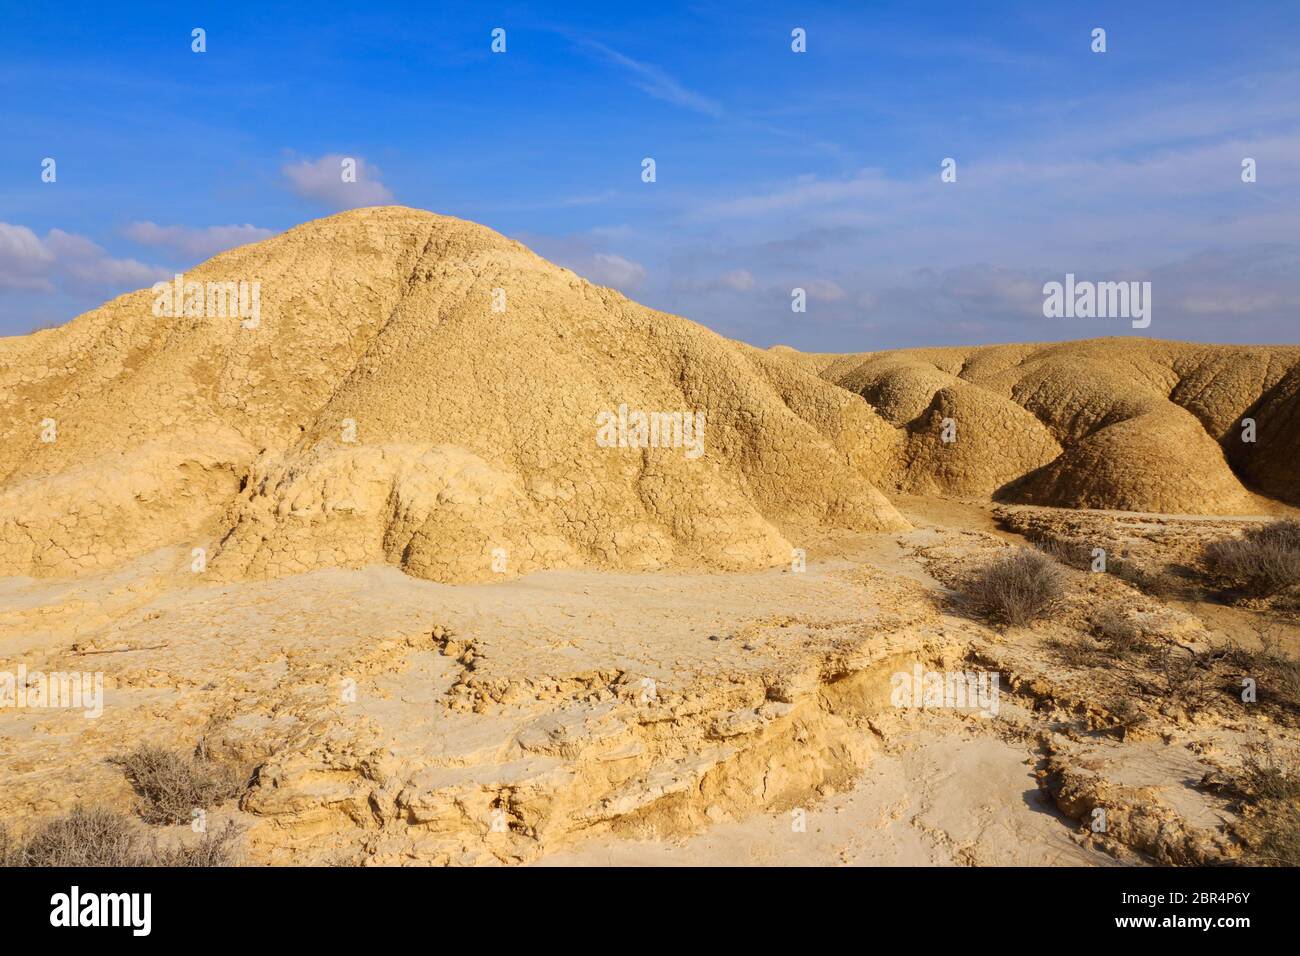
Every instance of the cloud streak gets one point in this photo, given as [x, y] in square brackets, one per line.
[655, 82]
[194, 242]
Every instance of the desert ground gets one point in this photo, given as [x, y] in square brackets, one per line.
[366, 585]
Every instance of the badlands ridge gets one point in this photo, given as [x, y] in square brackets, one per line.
[382, 411]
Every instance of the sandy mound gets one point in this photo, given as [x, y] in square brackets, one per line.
[384, 407]
[1128, 424]
[421, 391]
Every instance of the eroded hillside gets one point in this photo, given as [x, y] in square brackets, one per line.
[1127, 424]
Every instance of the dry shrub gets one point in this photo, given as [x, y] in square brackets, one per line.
[1126, 715]
[1077, 553]
[84, 837]
[1276, 673]
[1118, 631]
[1075, 652]
[100, 837]
[172, 785]
[1278, 842]
[1186, 683]
[1268, 775]
[1270, 782]
[1018, 587]
[1262, 562]
[9, 848]
[221, 848]
[1070, 551]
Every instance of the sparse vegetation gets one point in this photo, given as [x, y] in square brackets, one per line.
[1268, 775]
[221, 848]
[1075, 652]
[1276, 673]
[84, 837]
[1072, 552]
[97, 836]
[1126, 714]
[1279, 838]
[1186, 683]
[1270, 783]
[1159, 583]
[9, 848]
[1077, 553]
[1262, 562]
[1118, 631]
[172, 785]
[1018, 587]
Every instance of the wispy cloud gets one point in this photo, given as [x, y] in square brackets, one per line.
[194, 242]
[653, 81]
[606, 268]
[560, 202]
[588, 256]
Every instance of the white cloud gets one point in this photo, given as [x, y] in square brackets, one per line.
[737, 280]
[802, 193]
[196, 242]
[68, 261]
[824, 290]
[607, 269]
[584, 254]
[734, 280]
[24, 261]
[321, 180]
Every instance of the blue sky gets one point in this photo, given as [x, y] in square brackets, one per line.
[774, 169]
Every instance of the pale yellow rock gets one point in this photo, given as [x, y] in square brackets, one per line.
[382, 411]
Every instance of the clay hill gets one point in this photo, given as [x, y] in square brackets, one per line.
[1127, 424]
[422, 392]
[384, 410]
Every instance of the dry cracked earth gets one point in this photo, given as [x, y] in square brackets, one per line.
[370, 558]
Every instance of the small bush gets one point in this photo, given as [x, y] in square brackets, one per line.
[212, 849]
[1186, 684]
[1072, 552]
[1018, 587]
[172, 786]
[1275, 671]
[1076, 652]
[1126, 715]
[1263, 561]
[84, 837]
[1279, 837]
[1267, 775]
[101, 837]
[1119, 632]
[1270, 781]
